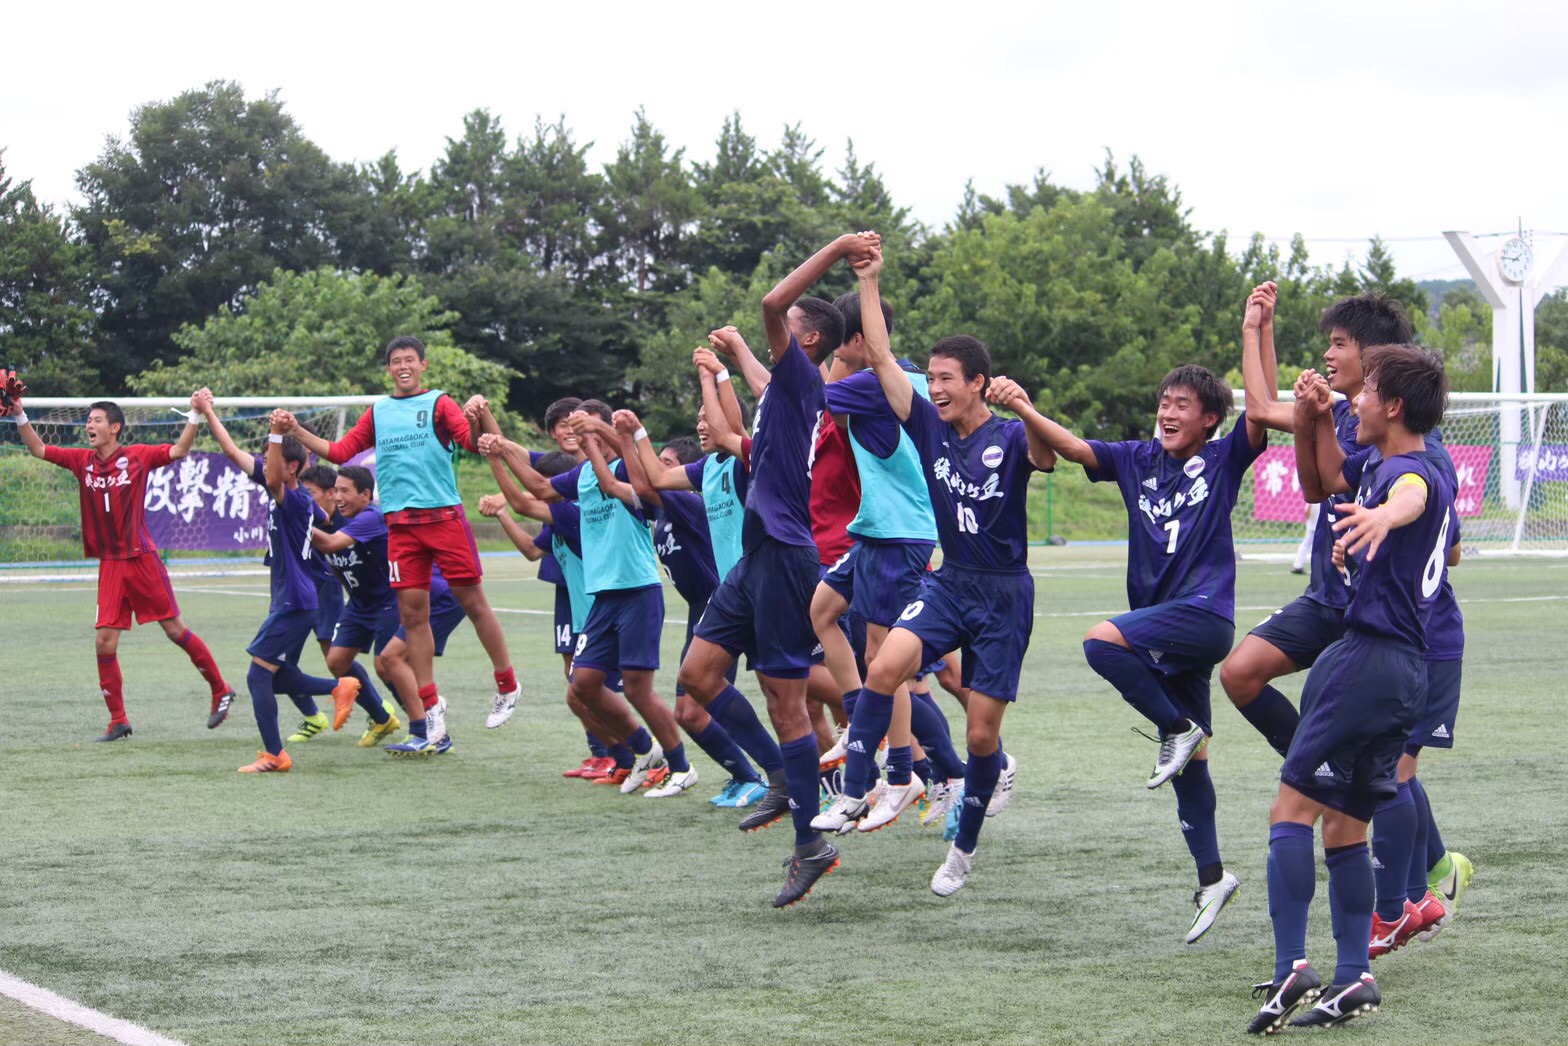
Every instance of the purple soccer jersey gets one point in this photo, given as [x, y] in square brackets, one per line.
[783, 446]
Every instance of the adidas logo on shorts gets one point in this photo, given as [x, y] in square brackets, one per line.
[1441, 731]
[1155, 655]
[1323, 771]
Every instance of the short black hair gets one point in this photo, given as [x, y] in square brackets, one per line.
[555, 463]
[819, 315]
[686, 449]
[1371, 318]
[403, 341]
[970, 352]
[323, 476]
[1214, 396]
[294, 452]
[848, 306]
[598, 407]
[1412, 375]
[559, 411]
[112, 411]
[363, 479]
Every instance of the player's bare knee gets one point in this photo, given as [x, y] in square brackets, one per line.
[982, 739]
[1238, 681]
[1341, 829]
[1106, 632]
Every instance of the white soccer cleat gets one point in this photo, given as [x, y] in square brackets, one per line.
[435, 721]
[501, 708]
[836, 755]
[1210, 901]
[940, 799]
[954, 873]
[646, 762]
[895, 800]
[674, 784]
[1004, 788]
[1176, 751]
[842, 815]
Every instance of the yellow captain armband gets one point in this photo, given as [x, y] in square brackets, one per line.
[1409, 479]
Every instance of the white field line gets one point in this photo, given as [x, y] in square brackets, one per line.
[60, 1008]
[1271, 607]
[37, 578]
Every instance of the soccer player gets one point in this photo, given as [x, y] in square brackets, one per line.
[977, 468]
[1365, 693]
[1291, 639]
[1179, 489]
[446, 613]
[131, 576]
[320, 482]
[414, 431]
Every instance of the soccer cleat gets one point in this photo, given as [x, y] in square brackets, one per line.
[656, 776]
[1176, 751]
[1341, 1003]
[673, 784]
[581, 768]
[343, 700]
[895, 800]
[443, 746]
[950, 826]
[954, 873]
[308, 728]
[843, 815]
[1004, 788]
[220, 709]
[773, 805]
[939, 799]
[1434, 916]
[835, 756]
[617, 776]
[1393, 935]
[802, 873]
[411, 745]
[1300, 988]
[267, 763]
[501, 708]
[1451, 885]
[375, 733]
[594, 769]
[739, 794]
[650, 760]
[1210, 901]
[435, 721]
[115, 732]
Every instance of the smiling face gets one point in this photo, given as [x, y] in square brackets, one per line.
[1181, 423]
[1342, 362]
[348, 498]
[704, 434]
[101, 432]
[565, 439]
[1373, 413]
[407, 370]
[951, 395]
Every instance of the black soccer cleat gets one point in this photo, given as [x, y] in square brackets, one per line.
[115, 732]
[1281, 999]
[769, 809]
[220, 709]
[802, 873]
[1341, 1003]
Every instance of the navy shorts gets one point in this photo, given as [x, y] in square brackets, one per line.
[693, 615]
[1358, 708]
[282, 636]
[887, 579]
[623, 631]
[840, 577]
[763, 609]
[329, 607]
[446, 614]
[1435, 724]
[362, 629]
[850, 623]
[987, 616]
[1181, 644]
[1302, 629]
[565, 638]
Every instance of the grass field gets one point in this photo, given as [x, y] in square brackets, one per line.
[480, 898]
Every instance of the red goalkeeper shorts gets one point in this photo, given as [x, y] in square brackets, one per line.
[448, 543]
[139, 586]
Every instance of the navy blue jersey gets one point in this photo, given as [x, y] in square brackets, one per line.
[1179, 547]
[680, 537]
[289, 551]
[783, 446]
[860, 395]
[363, 565]
[1327, 585]
[319, 568]
[979, 487]
[1395, 591]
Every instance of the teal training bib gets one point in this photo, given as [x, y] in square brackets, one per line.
[894, 501]
[725, 511]
[413, 469]
[617, 547]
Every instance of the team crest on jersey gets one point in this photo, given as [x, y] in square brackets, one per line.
[991, 457]
[1194, 467]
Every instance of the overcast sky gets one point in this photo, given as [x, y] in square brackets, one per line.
[1338, 120]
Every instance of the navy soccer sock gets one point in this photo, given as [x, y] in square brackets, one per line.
[1195, 810]
[1273, 716]
[930, 728]
[851, 699]
[922, 769]
[722, 749]
[264, 705]
[867, 727]
[800, 778]
[640, 742]
[416, 727]
[1138, 686]
[676, 757]
[595, 746]
[1292, 881]
[900, 764]
[1415, 878]
[1352, 895]
[979, 782]
[1435, 850]
[738, 717]
[623, 756]
[369, 699]
[1393, 841]
[302, 689]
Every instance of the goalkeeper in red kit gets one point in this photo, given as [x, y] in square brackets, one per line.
[131, 575]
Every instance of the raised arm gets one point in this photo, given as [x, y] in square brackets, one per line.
[628, 426]
[362, 435]
[727, 342]
[273, 463]
[896, 386]
[15, 390]
[1319, 458]
[711, 371]
[494, 506]
[1259, 369]
[1008, 394]
[187, 440]
[495, 450]
[719, 429]
[595, 436]
[776, 303]
[243, 460]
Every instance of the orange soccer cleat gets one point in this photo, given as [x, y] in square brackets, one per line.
[343, 696]
[267, 763]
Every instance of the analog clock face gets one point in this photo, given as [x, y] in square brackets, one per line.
[1513, 261]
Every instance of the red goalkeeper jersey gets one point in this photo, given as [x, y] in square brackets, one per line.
[113, 491]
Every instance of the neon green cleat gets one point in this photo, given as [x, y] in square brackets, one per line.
[378, 732]
[1449, 879]
[309, 727]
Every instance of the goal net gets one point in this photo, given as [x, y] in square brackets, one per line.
[1511, 456]
[201, 509]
